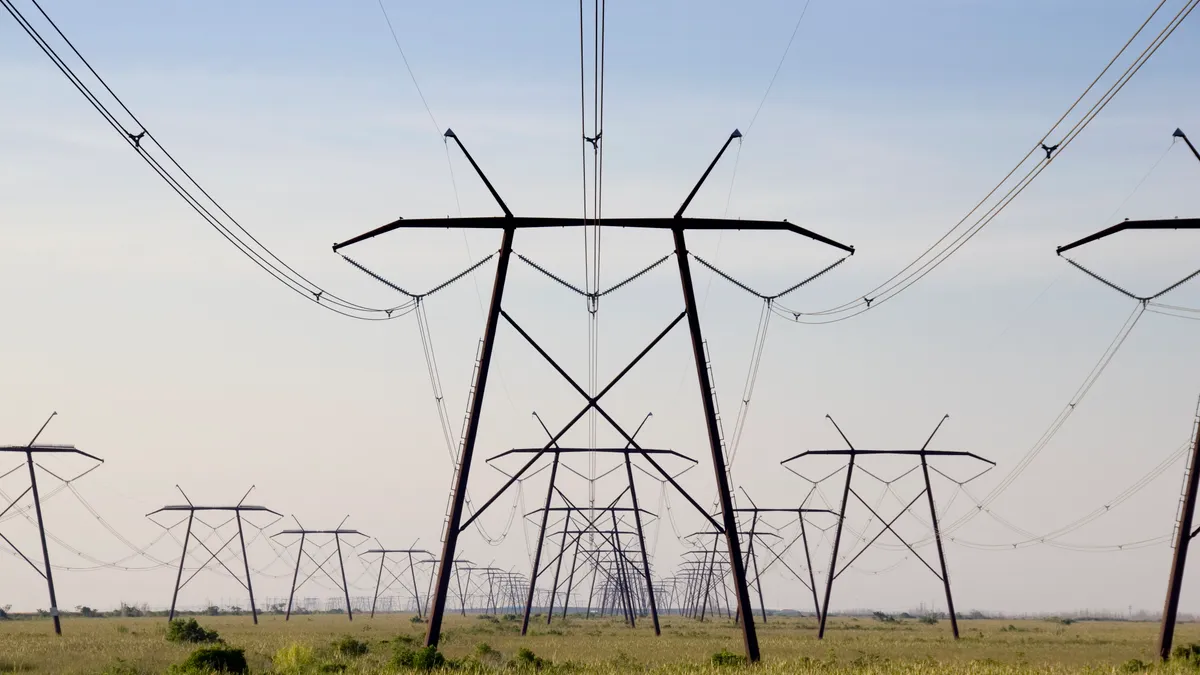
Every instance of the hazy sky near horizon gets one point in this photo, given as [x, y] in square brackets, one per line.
[179, 362]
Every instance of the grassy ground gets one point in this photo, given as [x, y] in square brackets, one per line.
[128, 646]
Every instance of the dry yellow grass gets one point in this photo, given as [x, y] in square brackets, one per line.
[604, 646]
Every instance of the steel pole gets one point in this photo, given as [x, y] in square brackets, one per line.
[378, 581]
[295, 577]
[37, 505]
[754, 561]
[571, 577]
[937, 538]
[837, 540]
[812, 579]
[619, 561]
[345, 586]
[537, 555]
[749, 636]
[557, 569]
[182, 558]
[637, 518]
[434, 633]
[592, 590]
[246, 562]
[1167, 632]
[416, 593]
[708, 579]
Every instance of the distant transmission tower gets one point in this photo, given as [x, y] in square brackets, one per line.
[853, 453]
[192, 509]
[337, 533]
[508, 224]
[29, 450]
[410, 567]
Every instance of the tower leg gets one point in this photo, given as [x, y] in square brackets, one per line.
[37, 505]
[728, 517]
[378, 581]
[537, 555]
[246, 561]
[345, 586]
[295, 577]
[416, 593]
[453, 523]
[837, 541]
[182, 557]
[1167, 633]
[937, 537]
[637, 518]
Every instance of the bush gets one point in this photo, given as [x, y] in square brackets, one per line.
[215, 660]
[929, 620]
[180, 630]
[349, 647]
[416, 619]
[728, 658]
[1189, 653]
[425, 658]
[1134, 666]
[294, 658]
[525, 658]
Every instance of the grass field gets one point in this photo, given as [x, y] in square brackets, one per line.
[122, 646]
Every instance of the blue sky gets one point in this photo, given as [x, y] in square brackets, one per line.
[177, 360]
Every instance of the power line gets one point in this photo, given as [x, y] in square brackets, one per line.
[936, 254]
[140, 139]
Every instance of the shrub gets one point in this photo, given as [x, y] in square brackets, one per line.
[294, 658]
[425, 658]
[416, 619]
[886, 618]
[525, 658]
[728, 658]
[1134, 666]
[350, 647]
[1189, 653]
[215, 660]
[180, 630]
[929, 620]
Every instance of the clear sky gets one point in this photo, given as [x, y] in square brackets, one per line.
[180, 362]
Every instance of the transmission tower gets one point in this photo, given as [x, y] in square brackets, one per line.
[853, 454]
[31, 449]
[1183, 526]
[508, 224]
[410, 567]
[756, 539]
[337, 533]
[192, 509]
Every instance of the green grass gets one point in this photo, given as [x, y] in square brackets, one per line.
[306, 645]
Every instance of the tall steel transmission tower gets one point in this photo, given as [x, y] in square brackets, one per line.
[678, 226]
[1183, 526]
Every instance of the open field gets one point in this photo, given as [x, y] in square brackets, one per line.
[127, 646]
